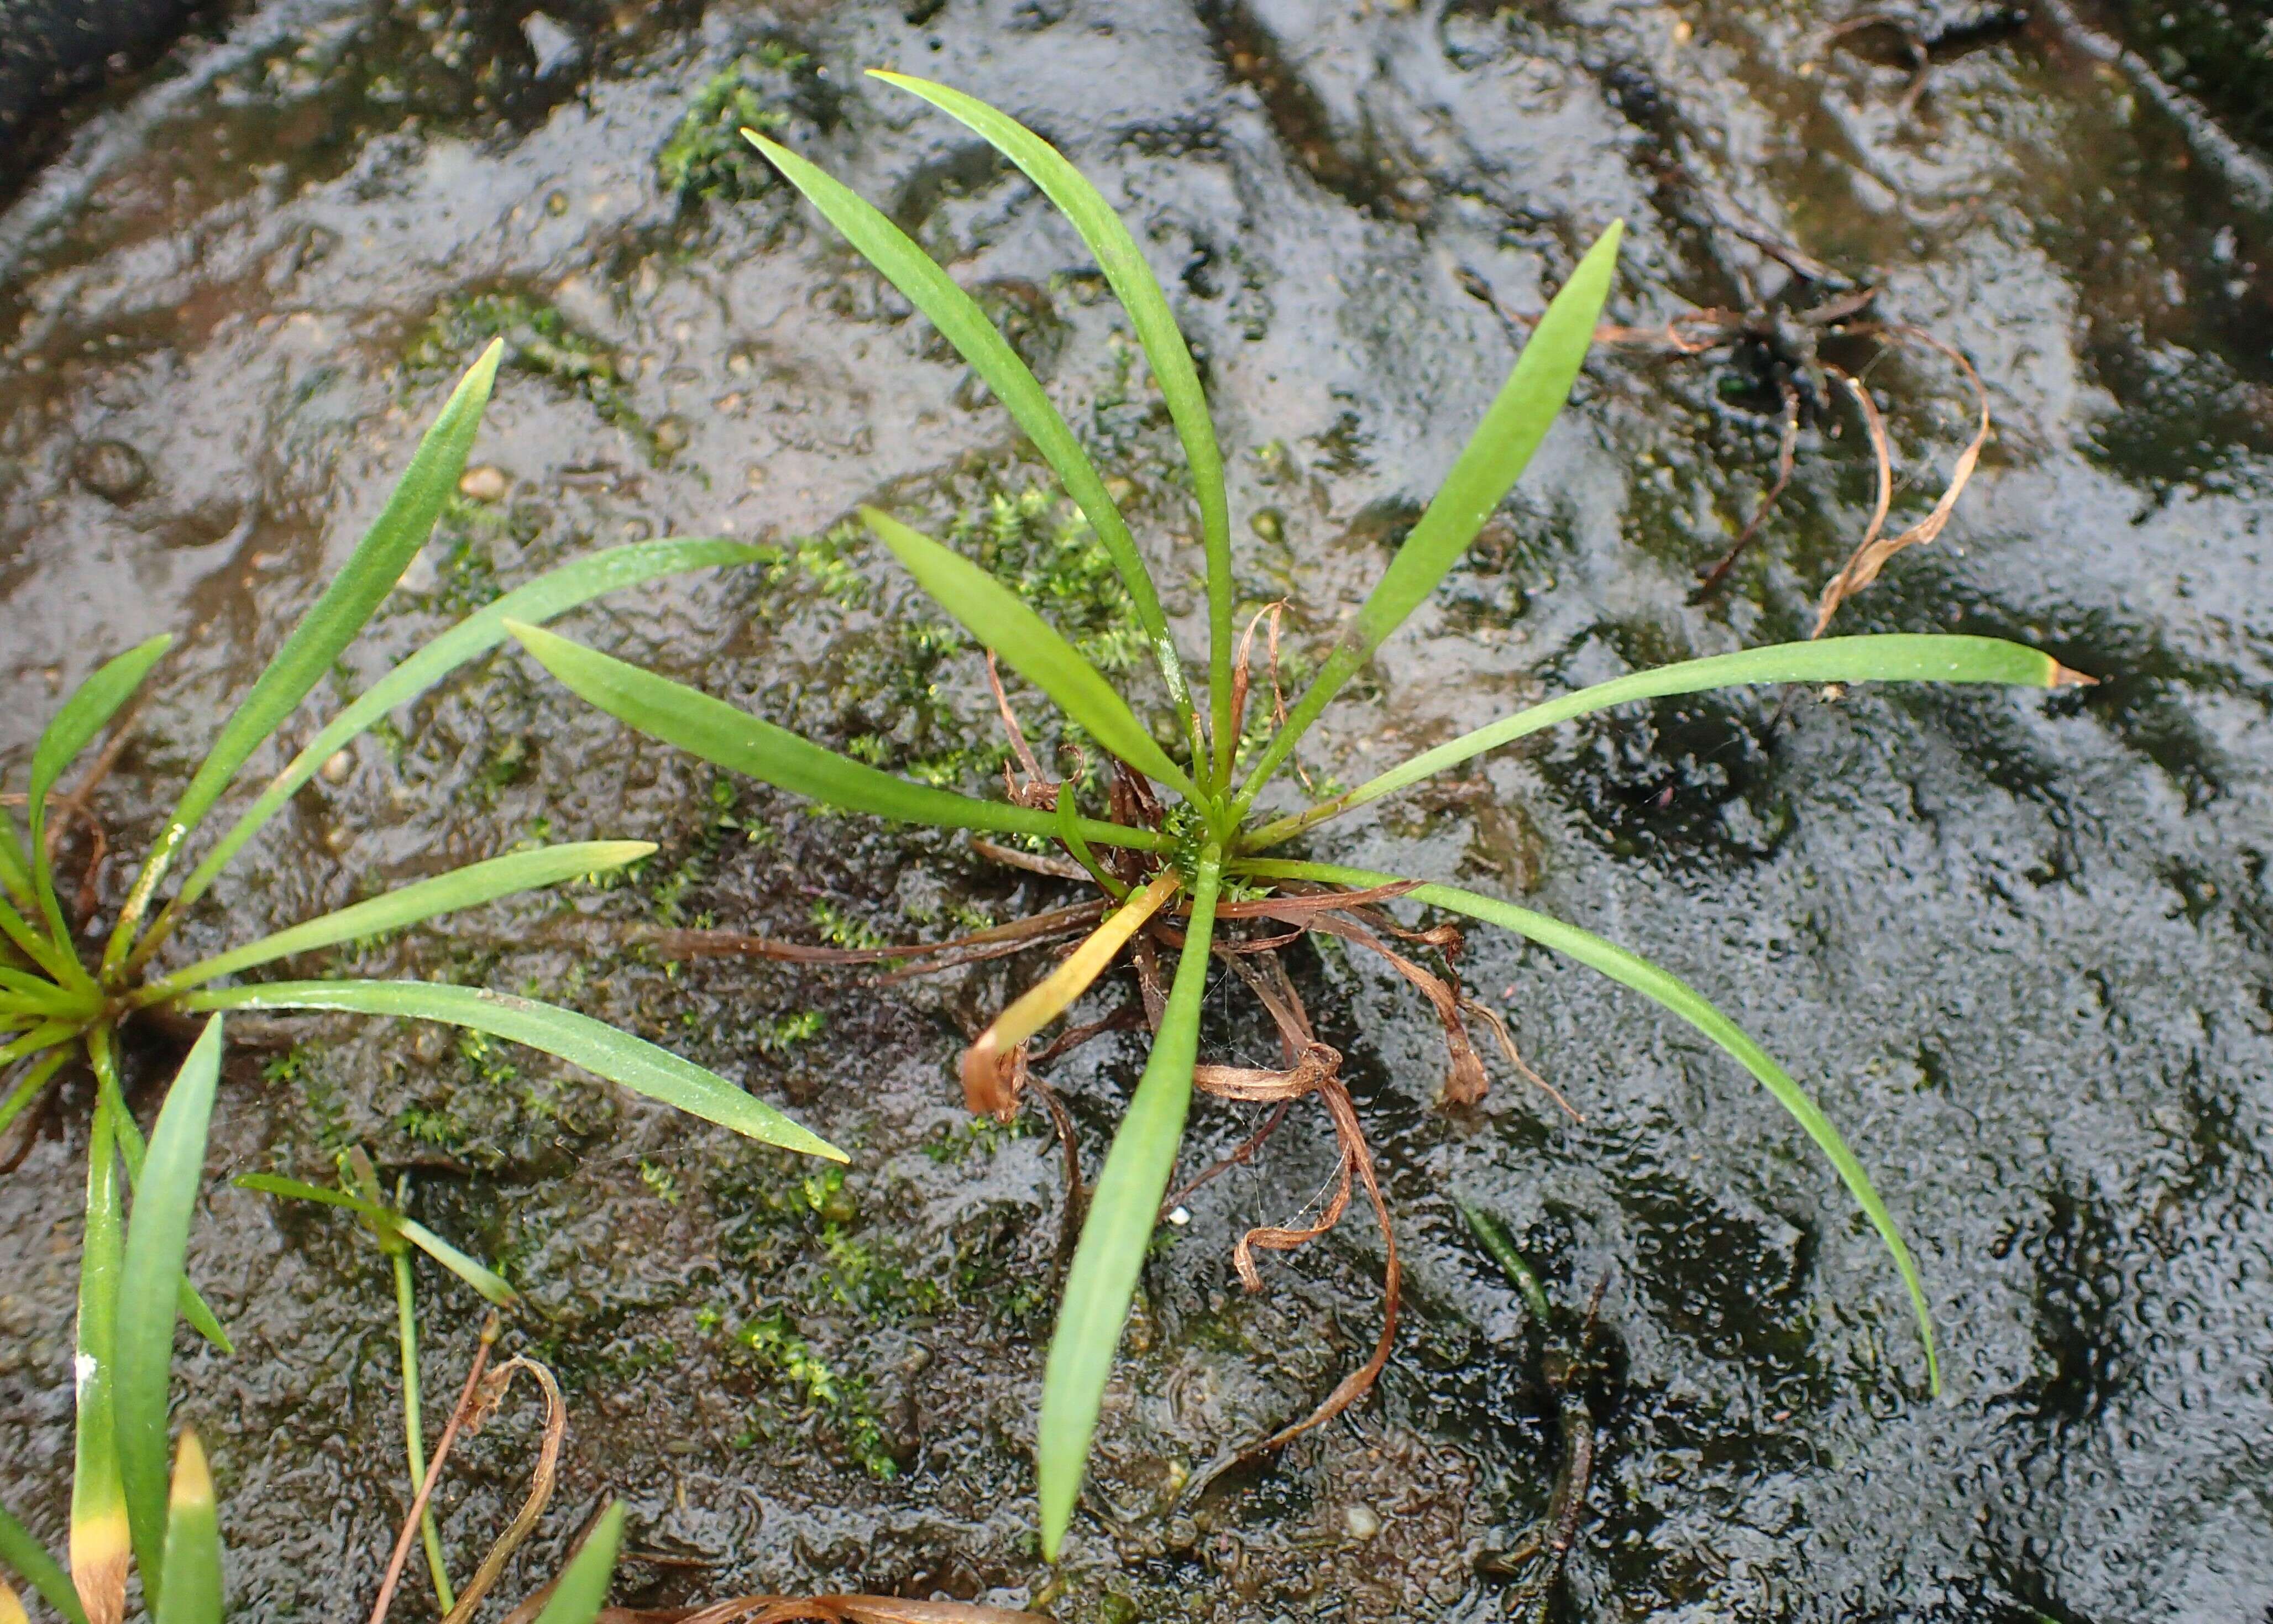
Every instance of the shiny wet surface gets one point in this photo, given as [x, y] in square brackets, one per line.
[2017, 945]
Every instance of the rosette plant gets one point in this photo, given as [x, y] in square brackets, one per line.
[1186, 862]
[65, 993]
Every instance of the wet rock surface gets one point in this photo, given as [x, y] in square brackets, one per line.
[2020, 947]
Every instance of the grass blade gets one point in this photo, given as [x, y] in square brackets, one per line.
[328, 627]
[732, 739]
[85, 713]
[150, 1285]
[15, 868]
[50, 955]
[1676, 995]
[595, 1045]
[100, 1540]
[1000, 619]
[30, 1560]
[295, 1189]
[550, 595]
[582, 1588]
[462, 887]
[193, 1589]
[490, 1284]
[1898, 657]
[36, 1079]
[1122, 1212]
[1139, 292]
[201, 1318]
[1488, 466]
[964, 325]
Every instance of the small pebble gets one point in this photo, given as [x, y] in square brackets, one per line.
[1180, 1216]
[112, 469]
[1361, 1521]
[486, 483]
[337, 766]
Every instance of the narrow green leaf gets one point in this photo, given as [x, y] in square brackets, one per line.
[462, 887]
[734, 739]
[547, 597]
[150, 1287]
[595, 1045]
[1897, 657]
[85, 713]
[33, 1564]
[1139, 292]
[15, 867]
[583, 1590]
[964, 325]
[1495, 457]
[1000, 619]
[201, 1319]
[328, 627]
[35, 1080]
[299, 1190]
[25, 991]
[1122, 1212]
[488, 1283]
[51, 955]
[192, 1561]
[1632, 970]
[47, 1035]
[100, 1540]
[413, 1431]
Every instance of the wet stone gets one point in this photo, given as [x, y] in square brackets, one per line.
[112, 469]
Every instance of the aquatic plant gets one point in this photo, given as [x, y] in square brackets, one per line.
[57, 1006]
[124, 1514]
[1183, 851]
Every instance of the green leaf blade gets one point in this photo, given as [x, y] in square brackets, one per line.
[546, 598]
[1669, 991]
[85, 713]
[732, 739]
[976, 339]
[1122, 1212]
[1138, 290]
[999, 619]
[300, 1190]
[632, 1062]
[1893, 657]
[1487, 467]
[192, 1562]
[150, 1283]
[37, 1568]
[462, 887]
[330, 625]
[100, 1536]
[583, 1590]
[487, 1281]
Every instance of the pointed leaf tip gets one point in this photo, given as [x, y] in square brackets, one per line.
[193, 1478]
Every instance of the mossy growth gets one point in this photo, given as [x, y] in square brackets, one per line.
[769, 1344]
[706, 157]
